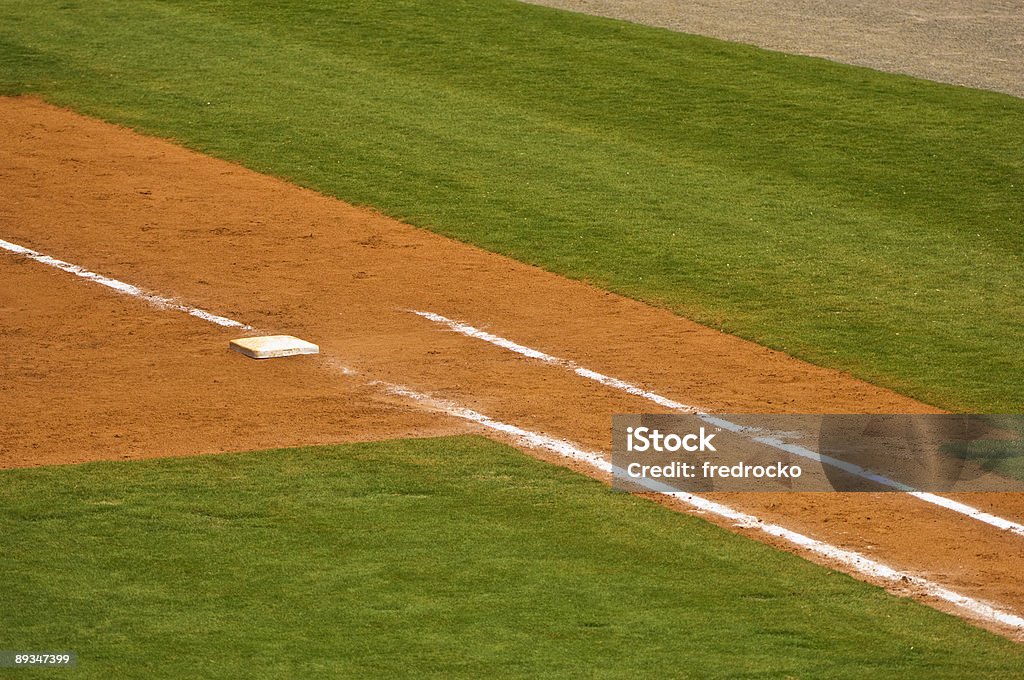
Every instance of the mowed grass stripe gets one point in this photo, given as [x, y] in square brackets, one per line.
[861, 220]
[454, 557]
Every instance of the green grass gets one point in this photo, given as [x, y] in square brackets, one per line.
[451, 557]
[1004, 458]
[1000, 451]
[860, 220]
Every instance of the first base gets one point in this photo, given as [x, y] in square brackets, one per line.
[273, 346]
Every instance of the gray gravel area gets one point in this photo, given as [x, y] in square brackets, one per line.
[974, 43]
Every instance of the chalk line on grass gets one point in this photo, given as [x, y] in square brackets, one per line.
[122, 287]
[755, 434]
[852, 560]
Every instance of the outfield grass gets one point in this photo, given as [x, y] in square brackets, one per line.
[862, 220]
[451, 557]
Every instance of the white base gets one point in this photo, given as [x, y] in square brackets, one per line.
[273, 346]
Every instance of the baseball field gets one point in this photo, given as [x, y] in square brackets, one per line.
[501, 223]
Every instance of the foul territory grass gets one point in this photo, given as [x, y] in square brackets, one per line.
[861, 220]
[451, 557]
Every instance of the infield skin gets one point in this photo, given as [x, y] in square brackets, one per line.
[98, 375]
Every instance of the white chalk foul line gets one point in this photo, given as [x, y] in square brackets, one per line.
[927, 497]
[524, 436]
[121, 286]
[505, 343]
[852, 560]
[529, 439]
[752, 433]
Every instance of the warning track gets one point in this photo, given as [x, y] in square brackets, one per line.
[976, 44]
[99, 375]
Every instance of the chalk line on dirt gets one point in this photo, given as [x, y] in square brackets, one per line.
[850, 559]
[526, 438]
[505, 343]
[926, 496]
[754, 434]
[122, 287]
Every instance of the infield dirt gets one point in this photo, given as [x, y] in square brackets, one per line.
[90, 374]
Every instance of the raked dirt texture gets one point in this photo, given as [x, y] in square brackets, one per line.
[861, 220]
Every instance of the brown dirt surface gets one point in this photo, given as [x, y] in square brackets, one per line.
[978, 44]
[91, 374]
